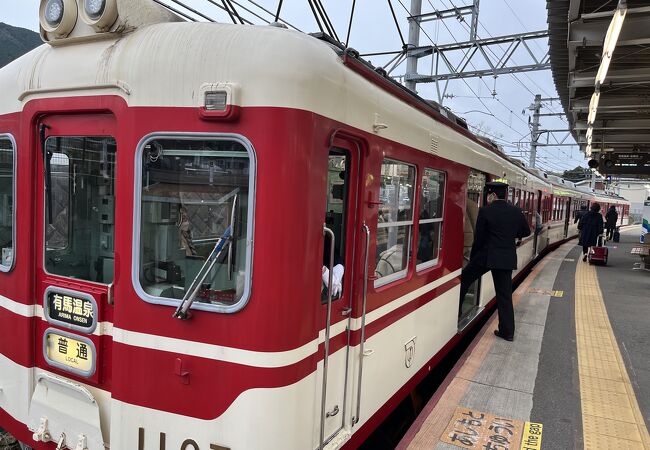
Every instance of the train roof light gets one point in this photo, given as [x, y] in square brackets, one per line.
[94, 8]
[99, 14]
[53, 12]
[58, 17]
[216, 100]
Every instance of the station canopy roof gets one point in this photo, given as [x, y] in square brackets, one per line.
[621, 129]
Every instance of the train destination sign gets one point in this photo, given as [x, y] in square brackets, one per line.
[69, 352]
[69, 309]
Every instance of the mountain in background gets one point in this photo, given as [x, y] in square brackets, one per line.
[15, 42]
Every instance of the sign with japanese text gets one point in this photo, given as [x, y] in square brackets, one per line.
[68, 352]
[532, 437]
[70, 309]
[477, 430]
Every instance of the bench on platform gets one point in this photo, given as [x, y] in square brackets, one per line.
[644, 252]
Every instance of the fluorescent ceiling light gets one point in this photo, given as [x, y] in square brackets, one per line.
[593, 107]
[611, 39]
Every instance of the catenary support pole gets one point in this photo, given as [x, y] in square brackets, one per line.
[414, 41]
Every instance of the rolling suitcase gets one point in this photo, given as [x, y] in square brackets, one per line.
[598, 253]
[617, 236]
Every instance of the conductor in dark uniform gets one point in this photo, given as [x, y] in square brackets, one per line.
[498, 225]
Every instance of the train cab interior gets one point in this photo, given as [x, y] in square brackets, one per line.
[336, 217]
[191, 192]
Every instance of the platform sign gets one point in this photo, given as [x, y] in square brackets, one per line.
[473, 429]
[70, 309]
[68, 352]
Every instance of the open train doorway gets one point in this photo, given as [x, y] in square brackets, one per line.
[469, 306]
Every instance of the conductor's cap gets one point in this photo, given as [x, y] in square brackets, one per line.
[496, 187]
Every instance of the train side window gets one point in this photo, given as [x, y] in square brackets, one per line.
[82, 198]
[430, 218]
[395, 221]
[7, 194]
[191, 191]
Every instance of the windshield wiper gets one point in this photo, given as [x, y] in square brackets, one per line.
[189, 297]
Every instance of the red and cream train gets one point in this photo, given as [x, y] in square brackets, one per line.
[133, 144]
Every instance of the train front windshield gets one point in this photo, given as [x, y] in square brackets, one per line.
[189, 188]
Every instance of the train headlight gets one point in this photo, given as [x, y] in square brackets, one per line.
[58, 17]
[99, 14]
[94, 8]
[53, 12]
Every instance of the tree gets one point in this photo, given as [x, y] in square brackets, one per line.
[577, 174]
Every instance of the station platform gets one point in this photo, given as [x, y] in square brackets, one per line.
[576, 376]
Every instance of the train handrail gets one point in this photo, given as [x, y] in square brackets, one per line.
[366, 231]
[327, 335]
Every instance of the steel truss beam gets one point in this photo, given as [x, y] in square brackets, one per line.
[479, 52]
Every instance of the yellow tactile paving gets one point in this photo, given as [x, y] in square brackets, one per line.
[616, 428]
[611, 418]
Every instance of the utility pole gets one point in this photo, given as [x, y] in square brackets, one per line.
[593, 180]
[472, 32]
[414, 41]
[534, 131]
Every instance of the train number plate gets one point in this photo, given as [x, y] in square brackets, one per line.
[68, 352]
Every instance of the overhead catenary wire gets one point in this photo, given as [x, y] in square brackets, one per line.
[399, 30]
[234, 11]
[347, 38]
[494, 54]
[175, 11]
[326, 18]
[315, 14]
[277, 14]
[280, 19]
[194, 11]
[513, 75]
[464, 81]
[225, 7]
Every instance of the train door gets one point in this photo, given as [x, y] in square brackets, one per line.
[469, 307]
[338, 291]
[567, 217]
[538, 209]
[74, 262]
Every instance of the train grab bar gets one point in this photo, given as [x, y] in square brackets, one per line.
[362, 354]
[330, 233]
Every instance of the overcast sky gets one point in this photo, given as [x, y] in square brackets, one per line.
[373, 30]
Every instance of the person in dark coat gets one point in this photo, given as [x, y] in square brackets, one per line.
[610, 222]
[590, 226]
[494, 249]
[579, 214]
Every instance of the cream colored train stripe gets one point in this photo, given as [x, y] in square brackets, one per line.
[216, 352]
[17, 308]
[611, 417]
[240, 356]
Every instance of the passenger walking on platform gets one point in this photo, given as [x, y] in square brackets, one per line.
[580, 214]
[611, 218]
[590, 226]
[494, 249]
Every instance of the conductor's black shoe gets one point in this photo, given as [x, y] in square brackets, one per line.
[584, 257]
[507, 338]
